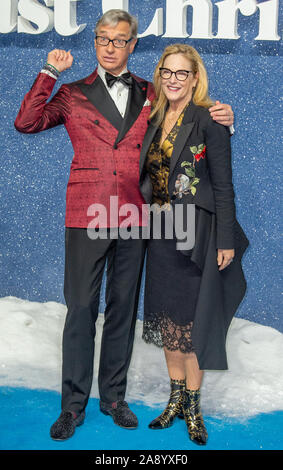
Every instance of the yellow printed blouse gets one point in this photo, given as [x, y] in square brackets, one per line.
[158, 162]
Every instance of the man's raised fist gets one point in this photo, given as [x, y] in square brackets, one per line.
[60, 59]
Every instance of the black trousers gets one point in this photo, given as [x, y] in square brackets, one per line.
[85, 260]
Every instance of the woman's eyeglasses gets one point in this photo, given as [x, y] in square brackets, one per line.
[181, 75]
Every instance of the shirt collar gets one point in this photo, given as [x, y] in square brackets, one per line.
[101, 72]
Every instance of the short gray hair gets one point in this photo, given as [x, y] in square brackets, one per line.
[112, 17]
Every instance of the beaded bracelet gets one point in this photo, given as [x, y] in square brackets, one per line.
[51, 74]
[50, 65]
[52, 70]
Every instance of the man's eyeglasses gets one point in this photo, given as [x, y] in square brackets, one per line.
[119, 43]
[181, 75]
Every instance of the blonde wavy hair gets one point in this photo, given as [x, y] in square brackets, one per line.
[200, 95]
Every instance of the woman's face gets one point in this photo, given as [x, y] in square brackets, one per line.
[177, 91]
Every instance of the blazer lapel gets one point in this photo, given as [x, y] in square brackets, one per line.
[97, 94]
[148, 138]
[136, 99]
[183, 134]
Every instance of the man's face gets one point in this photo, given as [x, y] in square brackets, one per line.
[111, 58]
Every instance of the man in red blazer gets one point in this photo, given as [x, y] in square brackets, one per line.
[106, 117]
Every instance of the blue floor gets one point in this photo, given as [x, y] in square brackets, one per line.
[26, 416]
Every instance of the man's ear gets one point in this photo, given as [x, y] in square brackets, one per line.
[133, 45]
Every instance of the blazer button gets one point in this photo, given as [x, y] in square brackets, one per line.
[115, 172]
[96, 122]
[115, 146]
[173, 197]
[138, 146]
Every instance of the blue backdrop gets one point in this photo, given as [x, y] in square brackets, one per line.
[35, 168]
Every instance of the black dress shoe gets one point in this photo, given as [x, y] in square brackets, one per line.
[65, 425]
[121, 414]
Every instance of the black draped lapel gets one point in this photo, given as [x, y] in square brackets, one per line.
[98, 95]
[183, 135]
[136, 99]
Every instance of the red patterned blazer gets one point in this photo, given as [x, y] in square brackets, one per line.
[106, 146]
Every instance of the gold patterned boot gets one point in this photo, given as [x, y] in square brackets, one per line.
[193, 417]
[173, 408]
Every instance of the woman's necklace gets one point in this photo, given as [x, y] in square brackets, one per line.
[170, 119]
[169, 122]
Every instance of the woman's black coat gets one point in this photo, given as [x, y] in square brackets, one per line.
[202, 158]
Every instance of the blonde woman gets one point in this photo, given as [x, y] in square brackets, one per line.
[191, 294]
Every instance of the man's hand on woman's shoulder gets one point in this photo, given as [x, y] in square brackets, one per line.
[222, 113]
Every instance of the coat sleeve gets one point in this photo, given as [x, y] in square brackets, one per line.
[36, 114]
[218, 151]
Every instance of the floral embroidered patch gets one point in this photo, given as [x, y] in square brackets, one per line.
[198, 152]
[186, 183]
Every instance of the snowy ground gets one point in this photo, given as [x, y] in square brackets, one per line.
[30, 356]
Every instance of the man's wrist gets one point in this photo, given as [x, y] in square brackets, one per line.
[53, 67]
[50, 70]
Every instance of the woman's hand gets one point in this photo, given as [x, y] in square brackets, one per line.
[224, 258]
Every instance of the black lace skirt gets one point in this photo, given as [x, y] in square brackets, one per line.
[171, 292]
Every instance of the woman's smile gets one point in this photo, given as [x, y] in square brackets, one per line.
[173, 88]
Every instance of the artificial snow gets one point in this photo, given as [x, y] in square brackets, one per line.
[30, 357]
